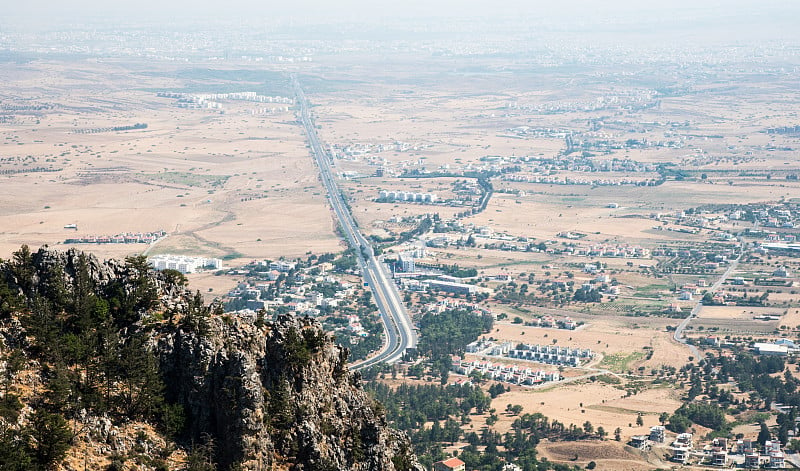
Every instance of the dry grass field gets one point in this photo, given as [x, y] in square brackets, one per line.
[544, 216]
[602, 404]
[234, 184]
[609, 456]
[423, 117]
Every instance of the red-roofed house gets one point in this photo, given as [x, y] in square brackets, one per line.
[453, 464]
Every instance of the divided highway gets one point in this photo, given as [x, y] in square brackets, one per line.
[399, 332]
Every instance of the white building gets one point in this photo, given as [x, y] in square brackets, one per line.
[781, 272]
[408, 196]
[406, 263]
[184, 264]
[281, 265]
[451, 287]
[771, 349]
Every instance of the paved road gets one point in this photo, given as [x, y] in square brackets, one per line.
[794, 459]
[682, 326]
[398, 328]
[153, 245]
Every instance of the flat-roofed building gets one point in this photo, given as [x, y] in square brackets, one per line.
[406, 263]
[719, 458]
[641, 442]
[657, 433]
[184, 264]
[452, 287]
[771, 349]
[680, 454]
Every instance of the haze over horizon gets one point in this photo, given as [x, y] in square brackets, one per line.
[742, 17]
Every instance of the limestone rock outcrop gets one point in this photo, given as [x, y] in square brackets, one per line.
[278, 394]
[267, 394]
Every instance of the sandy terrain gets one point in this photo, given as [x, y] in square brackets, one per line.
[231, 184]
[737, 312]
[603, 405]
[607, 455]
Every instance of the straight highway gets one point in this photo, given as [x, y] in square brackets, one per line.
[399, 333]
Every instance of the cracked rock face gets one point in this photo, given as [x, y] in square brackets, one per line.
[278, 395]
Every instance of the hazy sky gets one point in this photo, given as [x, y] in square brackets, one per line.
[723, 20]
[382, 8]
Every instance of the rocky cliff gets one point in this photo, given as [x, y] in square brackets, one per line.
[278, 395]
[266, 394]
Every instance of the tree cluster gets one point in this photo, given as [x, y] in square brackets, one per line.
[89, 343]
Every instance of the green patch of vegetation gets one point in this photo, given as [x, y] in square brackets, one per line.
[573, 199]
[620, 362]
[459, 272]
[651, 291]
[513, 264]
[232, 256]
[188, 179]
[447, 407]
[608, 379]
[707, 415]
[612, 409]
[450, 332]
[196, 80]
[86, 337]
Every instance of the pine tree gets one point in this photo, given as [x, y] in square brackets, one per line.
[141, 392]
[195, 315]
[587, 427]
[201, 456]
[43, 326]
[53, 286]
[50, 437]
[10, 301]
[22, 269]
[663, 417]
[128, 302]
[15, 362]
[14, 452]
[763, 434]
[84, 302]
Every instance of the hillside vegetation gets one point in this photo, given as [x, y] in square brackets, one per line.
[109, 365]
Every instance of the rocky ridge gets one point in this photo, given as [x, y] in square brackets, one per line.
[268, 394]
[278, 394]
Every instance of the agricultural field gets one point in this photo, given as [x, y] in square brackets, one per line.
[234, 184]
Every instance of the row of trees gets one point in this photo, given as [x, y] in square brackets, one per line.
[557, 292]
